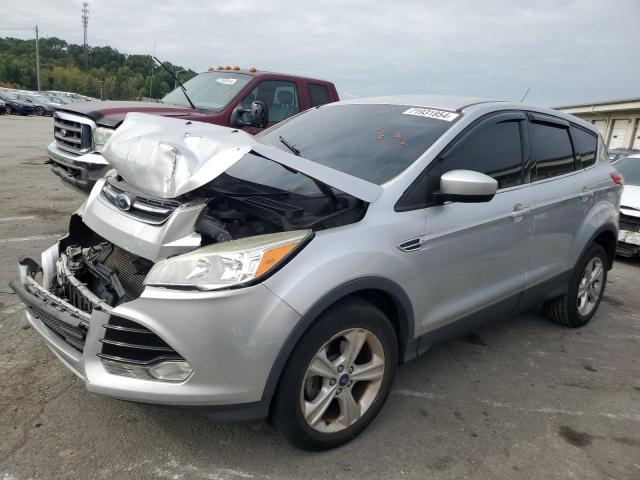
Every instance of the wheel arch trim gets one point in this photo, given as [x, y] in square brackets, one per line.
[606, 228]
[406, 323]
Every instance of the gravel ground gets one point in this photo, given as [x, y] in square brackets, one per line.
[520, 398]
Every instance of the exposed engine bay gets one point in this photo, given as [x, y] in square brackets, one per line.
[239, 215]
[91, 270]
[237, 209]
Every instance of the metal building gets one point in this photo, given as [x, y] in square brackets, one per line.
[617, 120]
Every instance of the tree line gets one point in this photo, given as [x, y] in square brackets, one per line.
[116, 75]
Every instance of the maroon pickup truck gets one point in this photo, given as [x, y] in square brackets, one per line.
[247, 99]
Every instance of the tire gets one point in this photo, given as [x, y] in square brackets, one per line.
[567, 309]
[39, 111]
[362, 323]
[8, 110]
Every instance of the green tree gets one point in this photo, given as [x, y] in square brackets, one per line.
[62, 68]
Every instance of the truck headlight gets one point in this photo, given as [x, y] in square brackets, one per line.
[227, 264]
[100, 137]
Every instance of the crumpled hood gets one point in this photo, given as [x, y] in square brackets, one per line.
[167, 157]
[630, 198]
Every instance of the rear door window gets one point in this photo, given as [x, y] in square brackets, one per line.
[586, 145]
[551, 150]
[319, 94]
[494, 149]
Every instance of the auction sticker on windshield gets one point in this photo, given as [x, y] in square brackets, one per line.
[227, 81]
[431, 113]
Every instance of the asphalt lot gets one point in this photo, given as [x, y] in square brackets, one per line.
[520, 398]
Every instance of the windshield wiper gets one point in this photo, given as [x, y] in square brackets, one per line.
[174, 76]
[290, 146]
[324, 188]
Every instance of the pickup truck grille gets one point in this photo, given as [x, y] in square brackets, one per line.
[72, 133]
[145, 209]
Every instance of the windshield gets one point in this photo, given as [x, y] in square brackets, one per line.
[210, 90]
[630, 169]
[371, 142]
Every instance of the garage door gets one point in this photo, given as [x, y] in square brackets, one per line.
[601, 125]
[619, 134]
[636, 141]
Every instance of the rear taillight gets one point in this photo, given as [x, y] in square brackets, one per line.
[617, 178]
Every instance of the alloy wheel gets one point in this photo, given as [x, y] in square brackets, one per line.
[590, 286]
[342, 380]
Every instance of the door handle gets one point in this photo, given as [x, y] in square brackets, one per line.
[519, 211]
[585, 194]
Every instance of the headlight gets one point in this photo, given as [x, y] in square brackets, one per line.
[100, 137]
[226, 264]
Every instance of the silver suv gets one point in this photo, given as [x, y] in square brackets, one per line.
[287, 275]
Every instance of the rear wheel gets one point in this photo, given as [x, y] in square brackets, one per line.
[337, 378]
[40, 111]
[586, 288]
[8, 110]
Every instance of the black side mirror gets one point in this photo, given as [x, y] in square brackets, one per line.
[258, 115]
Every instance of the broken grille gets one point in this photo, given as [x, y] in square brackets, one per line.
[74, 336]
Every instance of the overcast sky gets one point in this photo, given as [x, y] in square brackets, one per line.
[565, 51]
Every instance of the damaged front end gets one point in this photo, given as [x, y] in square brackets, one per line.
[187, 225]
[73, 296]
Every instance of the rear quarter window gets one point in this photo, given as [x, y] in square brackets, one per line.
[586, 146]
[319, 94]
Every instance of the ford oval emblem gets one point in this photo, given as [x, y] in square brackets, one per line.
[122, 201]
[63, 132]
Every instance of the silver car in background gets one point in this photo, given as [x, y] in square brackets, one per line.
[287, 275]
[629, 235]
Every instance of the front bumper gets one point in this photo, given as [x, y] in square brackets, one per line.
[230, 338]
[74, 170]
[628, 244]
[629, 233]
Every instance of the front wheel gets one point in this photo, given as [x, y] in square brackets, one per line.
[337, 378]
[586, 288]
[40, 111]
[8, 110]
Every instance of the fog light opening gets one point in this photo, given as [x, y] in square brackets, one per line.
[171, 371]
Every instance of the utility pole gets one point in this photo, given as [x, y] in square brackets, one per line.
[37, 60]
[85, 23]
[100, 82]
[152, 67]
